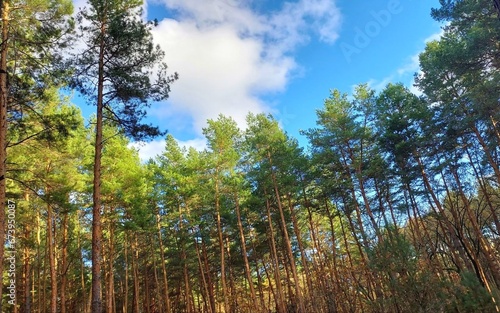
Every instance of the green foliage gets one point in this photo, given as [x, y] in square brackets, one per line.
[38, 32]
[471, 296]
[410, 286]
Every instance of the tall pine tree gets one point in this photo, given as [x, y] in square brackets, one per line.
[114, 72]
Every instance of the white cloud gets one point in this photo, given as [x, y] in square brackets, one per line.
[410, 67]
[228, 55]
[149, 150]
[196, 143]
[435, 36]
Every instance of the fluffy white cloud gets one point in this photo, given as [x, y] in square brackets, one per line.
[228, 55]
[149, 150]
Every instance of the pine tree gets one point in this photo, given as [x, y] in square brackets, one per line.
[114, 72]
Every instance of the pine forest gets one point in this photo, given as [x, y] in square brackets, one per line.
[393, 205]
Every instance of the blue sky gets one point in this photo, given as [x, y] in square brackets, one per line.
[280, 57]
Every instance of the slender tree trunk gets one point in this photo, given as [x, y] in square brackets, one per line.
[187, 284]
[147, 291]
[209, 276]
[135, 272]
[233, 299]
[64, 261]
[5, 7]
[44, 276]
[125, 296]
[245, 256]
[351, 266]
[27, 276]
[157, 305]
[298, 293]
[259, 284]
[82, 273]
[96, 209]
[366, 202]
[303, 258]
[225, 295]
[39, 262]
[280, 300]
[280, 306]
[335, 270]
[52, 261]
[110, 290]
[206, 293]
[163, 265]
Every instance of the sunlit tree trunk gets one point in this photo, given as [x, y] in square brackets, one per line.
[64, 261]
[27, 277]
[5, 11]
[206, 293]
[110, 290]
[210, 284]
[279, 298]
[126, 241]
[298, 235]
[52, 259]
[163, 266]
[135, 273]
[245, 255]
[286, 237]
[96, 207]
[227, 307]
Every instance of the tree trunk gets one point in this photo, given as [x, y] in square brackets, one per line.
[298, 234]
[298, 293]
[225, 295]
[96, 209]
[157, 305]
[209, 276]
[163, 265]
[187, 285]
[206, 294]
[280, 300]
[26, 277]
[125, 295]
[110, 290]
[135, 272]
[64, 261]
[82, 271]
[3, 128]
[245, 256]
[259, 282]
[52, 261]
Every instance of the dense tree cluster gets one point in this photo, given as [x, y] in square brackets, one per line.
[394, 206]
